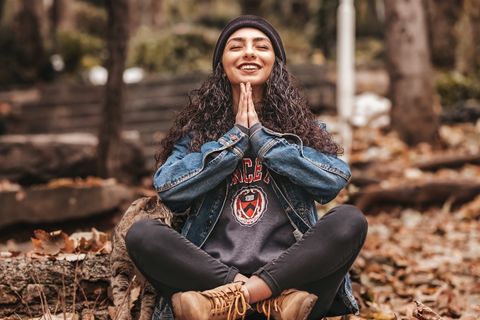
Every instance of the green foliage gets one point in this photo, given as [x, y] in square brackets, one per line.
[80, 50]
[91, 19]
[369, 50]
[182, 50]
[209, 13]
[455, 87]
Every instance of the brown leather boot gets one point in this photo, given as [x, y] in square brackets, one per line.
[227, 302]
[291, 304]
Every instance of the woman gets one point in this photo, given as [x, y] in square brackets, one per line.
[248, 160]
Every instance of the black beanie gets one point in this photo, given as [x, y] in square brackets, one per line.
[249, 21]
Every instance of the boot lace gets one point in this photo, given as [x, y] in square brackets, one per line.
[230, 301]
[266, 306]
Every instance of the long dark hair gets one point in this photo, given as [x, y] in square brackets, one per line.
[209, 113]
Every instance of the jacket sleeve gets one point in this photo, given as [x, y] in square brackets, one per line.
[186, 175]
[322, 175]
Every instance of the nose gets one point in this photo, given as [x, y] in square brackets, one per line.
[249, 51]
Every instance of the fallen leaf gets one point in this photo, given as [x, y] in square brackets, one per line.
[51, 243]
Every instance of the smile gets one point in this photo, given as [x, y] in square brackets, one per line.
[249, 67]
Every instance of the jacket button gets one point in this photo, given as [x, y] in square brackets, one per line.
[233, 137]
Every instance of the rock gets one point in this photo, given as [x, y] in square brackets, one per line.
[371, 110]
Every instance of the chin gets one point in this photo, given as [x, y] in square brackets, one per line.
[253, 81]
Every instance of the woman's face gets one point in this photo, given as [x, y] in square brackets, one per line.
[248, 57]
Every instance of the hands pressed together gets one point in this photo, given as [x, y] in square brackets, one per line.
[246, 114]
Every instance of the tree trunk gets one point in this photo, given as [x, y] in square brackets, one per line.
[109, 151]
[326, 27]
[2, 4]
[467, 55]
[30, 53]
[408, 64]
[441, 16]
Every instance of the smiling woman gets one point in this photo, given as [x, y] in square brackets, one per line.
[247, 159]
[248, 57]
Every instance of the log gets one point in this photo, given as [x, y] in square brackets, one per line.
[30, 159]
[448, 161]
[420, 195]
[30, 284]
[58, 203]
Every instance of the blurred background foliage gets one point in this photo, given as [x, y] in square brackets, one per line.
[169, 36]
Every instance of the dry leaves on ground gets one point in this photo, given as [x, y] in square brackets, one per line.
[55, 242]
[430, 257]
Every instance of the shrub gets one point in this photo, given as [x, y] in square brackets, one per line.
[455, 87]
[76, 47]
[179, 50]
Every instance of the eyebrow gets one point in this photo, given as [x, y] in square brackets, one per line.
[243, 39]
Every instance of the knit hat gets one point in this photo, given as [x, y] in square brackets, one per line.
[249, 21]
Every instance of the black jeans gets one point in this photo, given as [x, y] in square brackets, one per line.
[316, 263]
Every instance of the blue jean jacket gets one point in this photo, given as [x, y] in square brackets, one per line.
[300, 174]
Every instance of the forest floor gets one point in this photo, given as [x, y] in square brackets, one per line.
[427, 254]
[430, 256]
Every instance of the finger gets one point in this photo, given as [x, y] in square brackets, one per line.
[242, 117]
[247, 92]
[242, 100]
[247, 102]
[251, 106]
[252, 113]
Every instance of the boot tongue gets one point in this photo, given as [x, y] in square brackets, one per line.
[245, 292]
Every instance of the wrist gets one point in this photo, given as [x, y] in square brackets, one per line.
[242, 128]
[257, 126]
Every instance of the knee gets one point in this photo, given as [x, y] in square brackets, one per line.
[137, 236]
[134, 237]
[144, 234]
[352, 223]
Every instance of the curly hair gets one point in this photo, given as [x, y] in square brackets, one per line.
[209, 113]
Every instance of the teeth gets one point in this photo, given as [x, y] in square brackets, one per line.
[249, 67]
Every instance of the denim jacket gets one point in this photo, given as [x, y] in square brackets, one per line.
[300, 174]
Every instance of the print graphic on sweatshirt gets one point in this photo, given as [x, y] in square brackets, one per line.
[247, 173]
[250, 201]
[248, 205]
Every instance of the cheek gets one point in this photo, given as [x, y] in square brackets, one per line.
[228, 65]
[269, 69]
[269, 62]
[232, 78]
